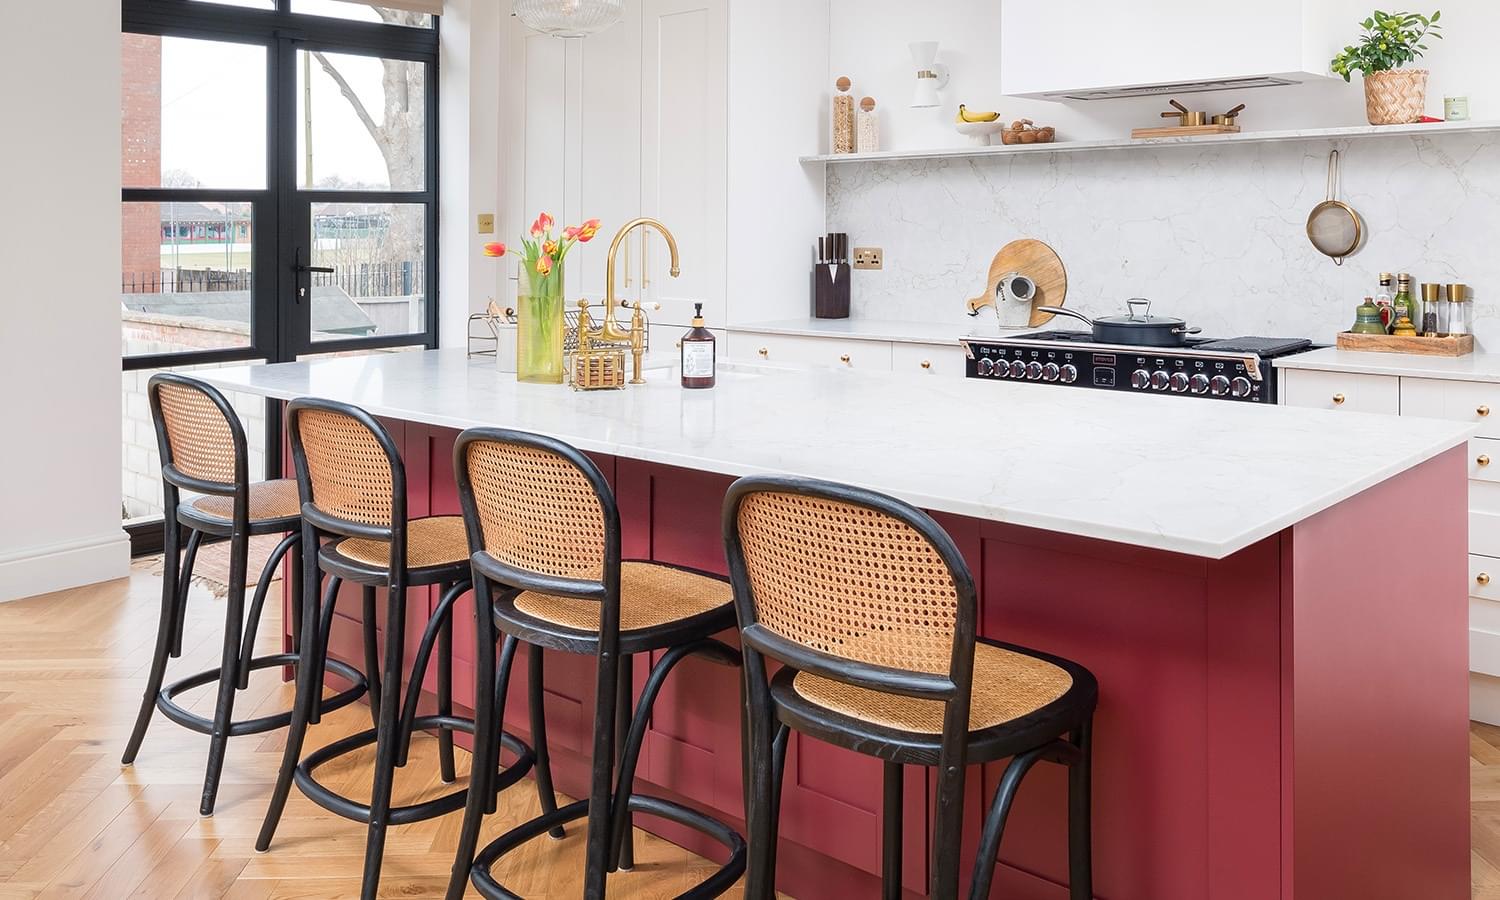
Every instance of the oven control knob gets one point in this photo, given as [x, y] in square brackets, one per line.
[1198, 384]
[1051, 372]
[1240, 387]
[1034, 371]
[1219, 386]
[1069, 374]
[1159, 380]
[985, 366]
[1179, 382]
[1140, 379]
[1018, 369]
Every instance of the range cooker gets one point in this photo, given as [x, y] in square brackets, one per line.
[1238, 369]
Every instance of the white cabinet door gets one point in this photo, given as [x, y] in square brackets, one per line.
[684, 153]
[1461, 401]
[1342, 391]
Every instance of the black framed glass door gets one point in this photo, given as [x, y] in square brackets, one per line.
[279, 199]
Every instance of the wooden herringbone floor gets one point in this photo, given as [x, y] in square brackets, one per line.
[75, 823]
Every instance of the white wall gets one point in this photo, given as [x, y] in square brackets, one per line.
[869, 39]
[60, 328]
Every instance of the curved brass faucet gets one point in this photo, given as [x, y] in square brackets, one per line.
[611, 330]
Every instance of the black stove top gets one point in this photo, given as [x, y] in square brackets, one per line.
[1237, 369]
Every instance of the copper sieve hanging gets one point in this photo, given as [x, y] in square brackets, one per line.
[1333, 226]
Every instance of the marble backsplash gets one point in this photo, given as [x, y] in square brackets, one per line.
[1213, 234]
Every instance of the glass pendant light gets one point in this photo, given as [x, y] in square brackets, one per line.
[569, 18]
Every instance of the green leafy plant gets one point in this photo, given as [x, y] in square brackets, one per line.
[1390, 41]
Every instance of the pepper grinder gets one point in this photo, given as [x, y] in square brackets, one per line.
[1460, 311]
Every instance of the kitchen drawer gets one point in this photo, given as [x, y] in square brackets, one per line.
[1461, 401]
[1341, 390]
[935, 359]
[1484, 582]
[1484, 652]
[1484, 526]
[1484, 460]
[874, 356]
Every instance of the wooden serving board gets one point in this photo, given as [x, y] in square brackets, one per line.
[1171, 131]
[1452, 345]
[1037, 261]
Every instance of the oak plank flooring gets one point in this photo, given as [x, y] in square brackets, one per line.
[74, 823]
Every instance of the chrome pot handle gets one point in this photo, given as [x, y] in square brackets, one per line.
[1059, 311]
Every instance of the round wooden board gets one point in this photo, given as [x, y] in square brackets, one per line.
[1037, 261]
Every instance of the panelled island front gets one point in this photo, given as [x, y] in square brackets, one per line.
[1283, 698]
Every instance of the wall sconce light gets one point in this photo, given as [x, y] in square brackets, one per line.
[932, 76]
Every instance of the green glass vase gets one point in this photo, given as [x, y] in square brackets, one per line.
[539, 326]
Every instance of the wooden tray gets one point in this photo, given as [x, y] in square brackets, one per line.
[1454, 345]
[1171, 131]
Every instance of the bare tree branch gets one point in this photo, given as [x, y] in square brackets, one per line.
[353, 98]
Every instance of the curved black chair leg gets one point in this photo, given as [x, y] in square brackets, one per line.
[994, 821]
[597, 852]
[372, 654]
[543, 770]
[306, 705]
[891, 831]
[624, 824]
[388, 738]
[487, 707]
[262, 588]
[184, 570]
[449, 771]
[1080, 837]
[323, 636]
[431, 635]
[234, 620]
[166, 631]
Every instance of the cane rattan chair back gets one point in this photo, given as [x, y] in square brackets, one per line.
[850, 577]
[199, 436]
[349, 471]
[540, 509]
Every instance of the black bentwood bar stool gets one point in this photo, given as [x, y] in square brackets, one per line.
[545, 536]
[203, 450]
[871, 610]
[353, 488]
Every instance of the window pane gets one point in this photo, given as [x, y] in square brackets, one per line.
[364, 12]
[253, 4]
[140, 481]
[378, 286]
[194, 113]
[186, 279]
[363, 123]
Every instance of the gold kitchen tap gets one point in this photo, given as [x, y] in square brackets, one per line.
[611, 330]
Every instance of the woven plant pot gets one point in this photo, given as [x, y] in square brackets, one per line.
[1396, 97]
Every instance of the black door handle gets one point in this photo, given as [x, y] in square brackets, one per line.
[297, 265]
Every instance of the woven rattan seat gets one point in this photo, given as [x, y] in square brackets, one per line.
[650, 595]
[435, 541]
[1007, 686]
[268, 500]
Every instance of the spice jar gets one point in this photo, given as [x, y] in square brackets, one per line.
[1460, 310]
[1431, 308]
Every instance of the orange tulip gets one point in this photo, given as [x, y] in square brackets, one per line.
[587, 231]
[542, 225]
[544, 266]
[550, 248]
[494, 250]
[572, 232]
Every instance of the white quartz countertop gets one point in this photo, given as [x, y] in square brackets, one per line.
[1474, 367]
[1197, 477]
[868, 329]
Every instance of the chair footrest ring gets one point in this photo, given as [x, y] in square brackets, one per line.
[166, 702]
[722, 880]
[418, 812]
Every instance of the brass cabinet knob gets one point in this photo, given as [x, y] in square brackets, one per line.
[844, 359]
[1483, 411]
[764, 351]
[926, 363]
[1483, 579]
[1338, 399]
[1483, 460]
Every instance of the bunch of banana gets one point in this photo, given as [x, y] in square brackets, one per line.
[973, 117]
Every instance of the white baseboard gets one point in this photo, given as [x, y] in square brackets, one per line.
[42, 570]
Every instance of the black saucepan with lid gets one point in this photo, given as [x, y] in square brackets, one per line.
[1138, 328]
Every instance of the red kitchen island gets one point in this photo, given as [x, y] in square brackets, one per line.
[1273, 601]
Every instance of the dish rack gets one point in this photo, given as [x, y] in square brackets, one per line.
[596, 312]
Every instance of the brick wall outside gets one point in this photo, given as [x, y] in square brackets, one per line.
[141, 143]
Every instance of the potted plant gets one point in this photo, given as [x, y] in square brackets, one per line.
[539, 297]
[1393, 95]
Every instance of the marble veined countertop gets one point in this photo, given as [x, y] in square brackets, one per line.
[1474, 367]
[1192, 476]
[873, 329]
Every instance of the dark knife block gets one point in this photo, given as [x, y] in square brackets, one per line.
[830, 291]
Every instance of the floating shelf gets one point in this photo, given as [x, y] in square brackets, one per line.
[1245, 137]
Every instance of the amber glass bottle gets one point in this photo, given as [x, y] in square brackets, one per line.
[699, 354]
